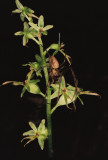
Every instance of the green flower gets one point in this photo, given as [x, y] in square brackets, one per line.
[24, 11]
[27, 33]
[29, 84]
[67, 94]
[40, 26]
[40, 133]
[37, 66]
[58, 47]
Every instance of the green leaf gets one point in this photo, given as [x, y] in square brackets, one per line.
[47, 27]
[56, 51]
[41, 142]
[16, 11]
[29, 133]
[19, 5]
[32, 125]
[20, 33]
[38, 58]
[41, 21]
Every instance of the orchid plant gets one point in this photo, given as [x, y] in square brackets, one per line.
[38, 68]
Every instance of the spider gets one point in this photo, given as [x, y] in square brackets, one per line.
[54, 67]
[56, 71]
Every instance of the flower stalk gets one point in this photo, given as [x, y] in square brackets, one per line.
[49, 122]
[48, 102]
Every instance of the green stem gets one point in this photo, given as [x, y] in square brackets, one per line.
[49, 123]
[48, 102]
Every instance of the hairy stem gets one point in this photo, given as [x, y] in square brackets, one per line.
[48, 102]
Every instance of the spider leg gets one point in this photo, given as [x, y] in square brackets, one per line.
[74, 106]
[75, 80]
[62, 63]
[46, 92]
[60, 79]
[65, 97]
[42, 67]
[76, 87]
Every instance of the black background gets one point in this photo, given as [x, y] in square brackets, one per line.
[76, 135]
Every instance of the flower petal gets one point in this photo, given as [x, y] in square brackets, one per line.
[32, 125]
[41, 21]
[47, 27]
[19, 5]
[19, 33]
[29, 133]
[34, 26]
[41, 142]
[16, 11]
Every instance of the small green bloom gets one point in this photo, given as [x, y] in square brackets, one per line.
[40, 133]
[27, 33]
[40, 26]
[24, 11]
[67, 94]
[37, 66]
[31, 85]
